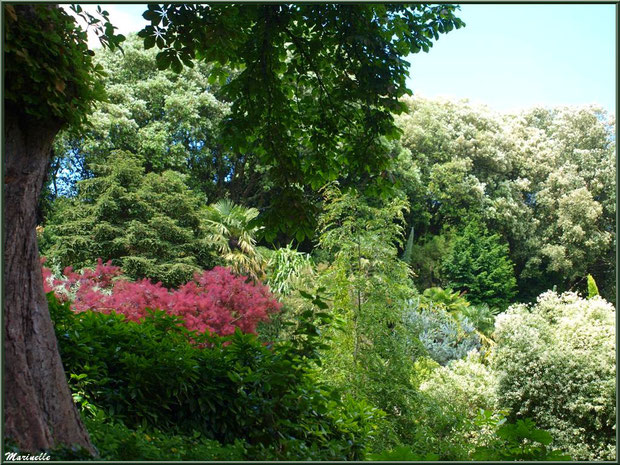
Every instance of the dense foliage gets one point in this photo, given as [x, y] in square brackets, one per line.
[167, 121]
[371, 346]
[157, 376]
[317, 87]
[46, 79]
[473, 165]
[403, 331]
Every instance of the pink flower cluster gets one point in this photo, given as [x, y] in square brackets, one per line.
[216, 300]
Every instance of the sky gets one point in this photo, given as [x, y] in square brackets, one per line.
[508, 57]
[514, 56]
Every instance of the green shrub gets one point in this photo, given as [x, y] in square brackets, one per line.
[464, 315]
[448, 400]
[436, 431]
[157, 376]
[451, 301]
[288, 272]
[482, 317]
[556, 363]
[116, 442]
[403, 453]
[453, 395]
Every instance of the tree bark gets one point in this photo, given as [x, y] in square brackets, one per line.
[38, 407]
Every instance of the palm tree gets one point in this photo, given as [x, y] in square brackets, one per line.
[231, 233]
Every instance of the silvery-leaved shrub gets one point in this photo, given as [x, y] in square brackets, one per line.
[445, 336]
[556, 364]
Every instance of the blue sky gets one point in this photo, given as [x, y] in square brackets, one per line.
[514, 56]
[508, 56]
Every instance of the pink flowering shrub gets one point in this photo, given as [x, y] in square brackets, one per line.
[216, 300]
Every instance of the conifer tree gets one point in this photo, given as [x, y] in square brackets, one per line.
[479, 265]
[149, 224]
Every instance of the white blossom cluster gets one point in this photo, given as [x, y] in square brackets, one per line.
[555, 363]
[467, 384]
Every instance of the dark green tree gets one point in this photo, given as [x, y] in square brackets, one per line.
[479, 265]
[151, 224]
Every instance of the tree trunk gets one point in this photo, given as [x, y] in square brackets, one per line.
[38, 408]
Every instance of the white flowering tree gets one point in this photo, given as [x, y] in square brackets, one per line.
[543, 179]
[572, 192]
[556, 364]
